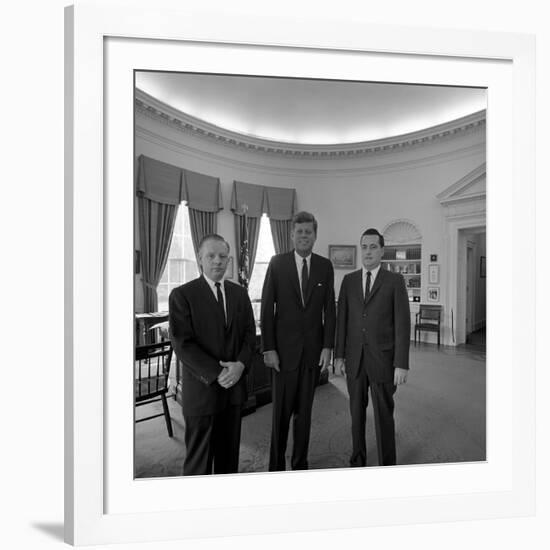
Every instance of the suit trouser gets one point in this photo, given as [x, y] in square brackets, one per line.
[292, 394]
[383, 407]
[213, 440]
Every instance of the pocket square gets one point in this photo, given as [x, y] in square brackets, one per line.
[319, 284]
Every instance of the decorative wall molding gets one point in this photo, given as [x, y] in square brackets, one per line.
[467, 197]
[469, 188]
[401, 231]
[282, 167]
[164, 113]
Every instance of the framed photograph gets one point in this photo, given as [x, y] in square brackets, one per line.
[483, 267]
[433, 294]
[105, 46]
[433, 274]
[342, 256]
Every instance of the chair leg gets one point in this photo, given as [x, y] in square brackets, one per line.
[438, 338]
[167, 415]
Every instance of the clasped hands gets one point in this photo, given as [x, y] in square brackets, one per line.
[271, 359]
[230, 374]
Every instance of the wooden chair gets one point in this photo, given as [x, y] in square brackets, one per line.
[428, 319]
[152, 368]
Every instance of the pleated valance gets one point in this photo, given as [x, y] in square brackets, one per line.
[159, 182]
[277, 202]
[169, 184]
[280, 203]
[250, 195]
[202, 192]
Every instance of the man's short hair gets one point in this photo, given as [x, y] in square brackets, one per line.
[213, 237]
[304, 217]
[372, 231]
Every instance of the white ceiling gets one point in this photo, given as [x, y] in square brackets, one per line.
[311, 111]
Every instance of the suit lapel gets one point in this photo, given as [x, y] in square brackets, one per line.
[229, 303]
[380, 278]
[211, 299]
[313, 276]
[294, 275]
[357, 286]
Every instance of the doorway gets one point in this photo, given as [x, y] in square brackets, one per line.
[471, 278]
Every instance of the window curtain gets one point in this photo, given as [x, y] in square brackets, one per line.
[160, 191]
[280, 207]
[156, 225]
[204, 199]
[249, 198]
[280, 231]
[253, 228]
[161, 187]
[202, 224]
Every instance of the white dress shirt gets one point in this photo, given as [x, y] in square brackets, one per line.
[373, 274]
[212, 286]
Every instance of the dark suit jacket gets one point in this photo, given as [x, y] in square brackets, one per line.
[200, 341]
[288, 326]
[383, 324]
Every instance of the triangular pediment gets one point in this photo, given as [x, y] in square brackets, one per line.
[471, 186]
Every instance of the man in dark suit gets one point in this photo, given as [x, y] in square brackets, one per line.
[213, 334]
[298, 322]
[372, 346]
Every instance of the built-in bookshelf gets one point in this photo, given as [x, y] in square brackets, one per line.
[407, 260]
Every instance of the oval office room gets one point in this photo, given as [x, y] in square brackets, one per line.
[342, 207]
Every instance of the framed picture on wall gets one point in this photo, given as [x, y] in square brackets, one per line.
[342, 256]
[433, 274]
[433, 294]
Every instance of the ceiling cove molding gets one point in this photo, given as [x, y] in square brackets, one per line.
[162, 112]
[312, 168]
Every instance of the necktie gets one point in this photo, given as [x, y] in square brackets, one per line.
[304, 279]
[220, 299]
[367, 285]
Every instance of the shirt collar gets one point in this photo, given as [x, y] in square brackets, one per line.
[373, 272]
[212, 284]
[300, 260]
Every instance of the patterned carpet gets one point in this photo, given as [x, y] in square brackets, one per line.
[440, 418]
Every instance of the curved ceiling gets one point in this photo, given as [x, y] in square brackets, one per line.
[311, 111]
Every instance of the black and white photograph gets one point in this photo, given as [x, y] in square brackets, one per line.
[167, 122]
[302, 354]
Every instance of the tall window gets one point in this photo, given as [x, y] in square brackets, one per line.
[264, 253]
[182, 264]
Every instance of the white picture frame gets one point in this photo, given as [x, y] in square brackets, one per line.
[103, 503]
[433, 294]
[433, 274]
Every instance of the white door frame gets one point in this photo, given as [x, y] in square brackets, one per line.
[454, 305]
